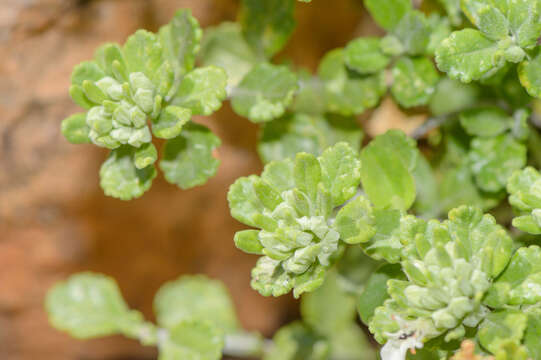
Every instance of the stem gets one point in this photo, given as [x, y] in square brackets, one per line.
[246, 344]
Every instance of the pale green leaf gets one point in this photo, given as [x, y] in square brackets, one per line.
[347, 94]
[145, 155]
[75, 129]
[296, 342]
[487, 18]
[364, 55]
[267, 24]
[493, 160]
[188, 159]
[502, 327]
[414, 81]
[89, 305]
[468, 55]
[355, 221]
[413, 32]
[485, 121]
[120, 178]
[180, 40]
[195, 298]
[328, 309]
[452, 96]
[192, 340]
[294, 133]
[171, 122]
[386, 177]
[530, 76]
[388, 13]
[225, 47]
[202, 90]
[264, 93]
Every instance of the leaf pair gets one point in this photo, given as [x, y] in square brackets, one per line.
[507, 31]
[193, 312]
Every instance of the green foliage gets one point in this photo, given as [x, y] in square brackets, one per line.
[525, 196]
[148, 86]
[292, 202]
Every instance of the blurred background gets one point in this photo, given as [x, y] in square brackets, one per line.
[54, 217]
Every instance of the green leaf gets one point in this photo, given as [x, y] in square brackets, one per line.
[355, 221]
[364, 55]
[386, 177]
[87, 70]
[143, 53]
[296, 342]
[192, 340]
[171, 122]
[310, 97]
[351, 343]
[413, 32]
[89, 305]
[328, 309]
[264, 93]
[120, 178]
[347, 95]
[180, 42]
[248, 241]
[385, 244]
[75, 129]
[414, 81]
[202, 90]
[452, 7]
[145, 155]
[188, 159]
[521, 280]
[502, 327]
[493, 160]
[452, 96]
[487, 18]
[530, 78]
[468, 55]
[267, 24]
[440, 29]
[294, 133]
[533, 333]
[198, 299]
[485, 121]
[523, 17]
[375, 290]
[225, 47]
[388, 13]
[525, 196]
[340, 172]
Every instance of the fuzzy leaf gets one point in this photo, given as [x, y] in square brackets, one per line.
[188, 159]
[225, 47]
[180, 42]
[493, 160]
[452, 96]
[121, 179]
[502, 327]
[521, 280]
[294, 133]
[413, 32]
[487, 18]
[89, 305]
[485, 122]
[414, 81]
[345, 94]
[75, 129]
[296, 342]
[388, 13]
[530, 78]
[355, 221]
[364, 55]
[386, 177]
[468, 55]
[195, 298]
[202, 90]
[192, 340]
[267, 24]
[264, 93]
[525, 196]
[171, 121]
[328, 309]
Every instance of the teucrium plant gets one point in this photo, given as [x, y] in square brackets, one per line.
[388, 225]
[148, 87]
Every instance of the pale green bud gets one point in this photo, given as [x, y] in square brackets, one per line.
[444, 319]
[460, 306]
[140, 137]
[99, 120]
[137, 117]
[144, 99]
